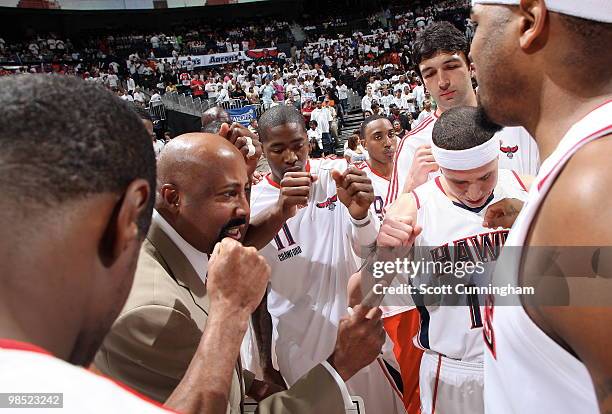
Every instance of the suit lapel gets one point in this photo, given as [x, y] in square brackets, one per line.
[179, 267]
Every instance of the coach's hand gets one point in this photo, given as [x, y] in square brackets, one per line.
[423, 163]
[398, 232]
[503, 213]
[250, 148]
[359, 341]
[355, 191]
[294, 192]
[237, 278]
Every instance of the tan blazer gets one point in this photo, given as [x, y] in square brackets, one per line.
[155, 337]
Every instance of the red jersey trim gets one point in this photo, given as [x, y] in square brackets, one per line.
[518, 178]
[572, 150]
[271, 181]
[393, 186]
[274, 184]
[439, 184]
[22, 346]
[376, 172]
[416, 198]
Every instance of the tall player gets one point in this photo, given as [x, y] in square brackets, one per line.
[441, 53]
[312, 256]
[445, 218]
[557, 54]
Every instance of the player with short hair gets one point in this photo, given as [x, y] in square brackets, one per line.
[445, 218]
[545, 65]
[441, 54]
[313, 255]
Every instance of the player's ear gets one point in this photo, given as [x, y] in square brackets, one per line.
[122, 229]
[533, 15]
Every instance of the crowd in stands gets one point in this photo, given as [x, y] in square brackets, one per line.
[372, 59]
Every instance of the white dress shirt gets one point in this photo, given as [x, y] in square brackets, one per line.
[197, 259]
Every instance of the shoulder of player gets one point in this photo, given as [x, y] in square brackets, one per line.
[577, 205]
[328, 163]
[423, 130]
[81, 385]
[362, 165]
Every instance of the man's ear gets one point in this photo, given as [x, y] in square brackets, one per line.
[533, 15]
[122, 228]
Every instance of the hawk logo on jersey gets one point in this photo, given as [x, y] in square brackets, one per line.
[330, 203]
[508, 150]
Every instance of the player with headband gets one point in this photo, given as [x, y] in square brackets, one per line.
[445, 218]
[546, 65]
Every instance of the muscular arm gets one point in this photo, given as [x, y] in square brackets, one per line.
[582, 329]
[206, 385]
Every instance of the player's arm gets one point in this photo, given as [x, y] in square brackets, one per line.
[237, 277]
[583, 330]
[262, 325]
[294, 192]
[355, 191]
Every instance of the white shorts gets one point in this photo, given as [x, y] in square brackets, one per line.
[449, 386]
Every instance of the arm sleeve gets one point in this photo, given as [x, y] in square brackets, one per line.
[149, 349]
[318, 391]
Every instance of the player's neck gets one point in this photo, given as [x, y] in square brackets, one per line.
[37, 323]
[558, 111]
[382, 169]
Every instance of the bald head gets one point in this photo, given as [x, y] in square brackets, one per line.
[188, 157]
[202, 186]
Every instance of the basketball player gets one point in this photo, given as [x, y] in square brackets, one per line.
[441, 53]
[312, 256]
[381, 143]
[557, 54]
[444, 216]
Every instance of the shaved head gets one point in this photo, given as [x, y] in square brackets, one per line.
[201, 188]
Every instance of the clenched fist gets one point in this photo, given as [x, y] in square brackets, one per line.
[294, 192]
[398, 232]
[360, 339]
[503, 213]
[423, 163]
[237, 277]
[355, 191]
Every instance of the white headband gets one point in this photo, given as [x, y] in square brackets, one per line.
[597, 10]
[468, 159]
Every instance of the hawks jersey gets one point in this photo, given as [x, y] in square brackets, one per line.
[454, 233]
[29, 369]
[380, 184]
[520, 355]
[311, 259]
[518, 152]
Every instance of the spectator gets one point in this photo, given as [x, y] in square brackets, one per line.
[427, 111]
[315, 135]
[323, 117]
[354, 152]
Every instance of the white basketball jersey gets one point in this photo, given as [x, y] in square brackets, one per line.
[421, 135]
[380, 184]
[454, 233]
[311, 260]
[28, 369]
[518, 152]
[525, 370]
